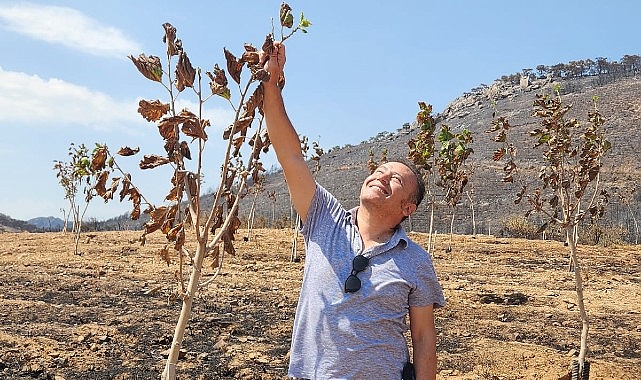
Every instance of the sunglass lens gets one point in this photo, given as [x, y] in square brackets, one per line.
[352, 284]
[360, 263]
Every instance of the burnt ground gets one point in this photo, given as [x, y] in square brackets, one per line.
[110, 312]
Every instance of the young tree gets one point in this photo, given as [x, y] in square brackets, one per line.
[421, 153]
[183, 219]
[570, 188]
[256, 189]
[450, 164]
[444, 166]
[71, 176]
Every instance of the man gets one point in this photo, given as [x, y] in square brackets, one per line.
[362, 273]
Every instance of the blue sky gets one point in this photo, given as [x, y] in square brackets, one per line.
[361, 69]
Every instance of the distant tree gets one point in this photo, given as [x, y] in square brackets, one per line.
[631, 63]
[602, 65]
[74, 175]
[543, 70]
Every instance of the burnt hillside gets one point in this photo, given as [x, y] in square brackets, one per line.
[343, 169]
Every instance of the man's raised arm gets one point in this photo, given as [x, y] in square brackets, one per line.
[284, 137]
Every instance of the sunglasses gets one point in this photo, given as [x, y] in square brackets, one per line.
[353, 283]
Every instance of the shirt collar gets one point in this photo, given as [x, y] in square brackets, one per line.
[398, 238]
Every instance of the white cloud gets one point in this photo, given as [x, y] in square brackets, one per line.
[68, 27]
[35, 100]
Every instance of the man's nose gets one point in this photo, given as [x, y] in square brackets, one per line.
[384, 178]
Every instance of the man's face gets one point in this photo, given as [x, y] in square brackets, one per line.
[391, 185]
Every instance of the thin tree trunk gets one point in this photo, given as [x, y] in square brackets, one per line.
[451, 230]
[294, 255]
[579, 294]
[429, 236]
[636, 225]
[250, 220]
[473, 218]
[185, 314]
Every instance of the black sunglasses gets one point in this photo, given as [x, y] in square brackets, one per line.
[353, 283]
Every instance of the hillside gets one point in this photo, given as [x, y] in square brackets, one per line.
[343, 170]
[8, 224]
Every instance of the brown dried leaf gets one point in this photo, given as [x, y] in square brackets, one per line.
[185, 72]
[99, 158]
[164, 254]
[126, 185]
[191, 127]
[193, 184]
[109, 194]
[218, 219]
[167, 127]
[244, 122]
[173, 46]
[180, 239]
[150, 67]
[134, 195]
[498, 154]
[151, 161]
[255, 101]
[152, 111]
[173, 233]
[157, 217]
[251, 57]
[215, 256]
[127, 151]
[268, 45]
[234, 66]
[184, 150]
[101, 182]
[286, 17]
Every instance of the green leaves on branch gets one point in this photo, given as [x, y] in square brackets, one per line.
[449, 160]
[421, 148]
[287, 20]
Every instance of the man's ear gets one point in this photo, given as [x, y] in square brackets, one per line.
[409, 208]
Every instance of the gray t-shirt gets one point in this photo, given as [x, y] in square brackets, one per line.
[359, 335]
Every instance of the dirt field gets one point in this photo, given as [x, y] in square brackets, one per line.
[109, 312]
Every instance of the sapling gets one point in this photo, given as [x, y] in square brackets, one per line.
[74, 175]
[183, 219]
[445, 166]
[570, 180]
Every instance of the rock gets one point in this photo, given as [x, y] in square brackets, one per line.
[181, 354]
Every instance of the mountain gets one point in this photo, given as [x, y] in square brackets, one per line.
[48, 223]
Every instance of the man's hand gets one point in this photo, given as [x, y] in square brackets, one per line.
[275, 63]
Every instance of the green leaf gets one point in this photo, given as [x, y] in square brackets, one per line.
[304, 23]
[225, 93]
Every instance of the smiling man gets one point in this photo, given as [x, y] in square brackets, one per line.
[363, 275]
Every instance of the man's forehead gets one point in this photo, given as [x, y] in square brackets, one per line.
[398, 167]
